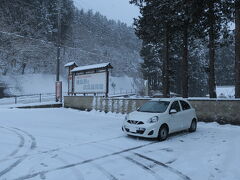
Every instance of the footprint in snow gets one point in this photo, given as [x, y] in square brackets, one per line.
[171, 161]
[42, 176]
[167, 149]
[218, 170]
[44, 165]
[54, 156]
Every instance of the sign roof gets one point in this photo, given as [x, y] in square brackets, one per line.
[70, 64]
[92, 67]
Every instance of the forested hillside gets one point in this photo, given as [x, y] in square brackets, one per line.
[28, 36]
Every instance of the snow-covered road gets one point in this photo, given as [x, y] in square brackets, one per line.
[65, 144]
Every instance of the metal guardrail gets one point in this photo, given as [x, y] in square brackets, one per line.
[29, 98]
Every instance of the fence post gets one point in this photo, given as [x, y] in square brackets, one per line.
[15, 99]
[40, 96]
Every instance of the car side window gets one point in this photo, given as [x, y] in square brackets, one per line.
[175, 105]
[185, 105]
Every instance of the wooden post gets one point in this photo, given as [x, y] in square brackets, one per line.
[107, 82]
[68, 80]
[73, 79]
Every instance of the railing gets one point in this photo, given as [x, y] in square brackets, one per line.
[29, 98]
[112, 93]
[123, 92]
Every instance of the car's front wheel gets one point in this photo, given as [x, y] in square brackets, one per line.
[163, 133]
[193, 126]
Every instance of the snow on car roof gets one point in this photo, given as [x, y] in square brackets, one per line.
[70, 64]
[90, 67]
[167, 99]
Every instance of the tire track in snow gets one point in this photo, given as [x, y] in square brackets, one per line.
[109, 175]
[60, 148]
[33, 139]
[28, 176]
[135, 162]
[82, 162]
[78, 175]
[24, 156]
[20, 145]
[175, 171]
[146, 168]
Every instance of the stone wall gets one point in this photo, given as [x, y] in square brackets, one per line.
[222, 111]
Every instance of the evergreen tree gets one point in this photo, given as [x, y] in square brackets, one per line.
[215, 19]
[188, 17]
[150, 67]
[156, 25]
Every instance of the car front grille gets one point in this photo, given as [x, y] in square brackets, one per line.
[137, 132]
[135, 122]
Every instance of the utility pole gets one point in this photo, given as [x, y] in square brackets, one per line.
[58, 85]
[237, 49]
[58, 40]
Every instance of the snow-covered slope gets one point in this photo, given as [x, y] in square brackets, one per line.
[32, 84]
[45, 83]
[122, 85]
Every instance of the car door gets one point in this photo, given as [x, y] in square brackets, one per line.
[186, 114]
[175, 119]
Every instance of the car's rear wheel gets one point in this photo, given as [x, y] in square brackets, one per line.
[193, 126]
[163, 133]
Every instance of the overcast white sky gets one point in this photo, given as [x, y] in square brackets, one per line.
[113, 9]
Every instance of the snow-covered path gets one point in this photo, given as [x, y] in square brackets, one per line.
[65, 144]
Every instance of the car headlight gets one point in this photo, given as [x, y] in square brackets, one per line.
[153, 119]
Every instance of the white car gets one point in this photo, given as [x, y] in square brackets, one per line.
[160, 117]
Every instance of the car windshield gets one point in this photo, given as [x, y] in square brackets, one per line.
[154, 107]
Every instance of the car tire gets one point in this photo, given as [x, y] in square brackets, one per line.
[163, 133]
[193, 126]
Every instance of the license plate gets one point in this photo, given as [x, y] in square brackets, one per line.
[132, 129]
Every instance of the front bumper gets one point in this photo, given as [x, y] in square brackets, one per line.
[144, 130]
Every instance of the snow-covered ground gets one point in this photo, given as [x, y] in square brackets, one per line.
[66, 144]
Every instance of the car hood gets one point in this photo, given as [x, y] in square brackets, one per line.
[141, 116]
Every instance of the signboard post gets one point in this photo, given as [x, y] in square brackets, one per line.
[107, 83]
[58, 91]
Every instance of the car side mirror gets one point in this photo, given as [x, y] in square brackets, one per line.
[173, 111]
